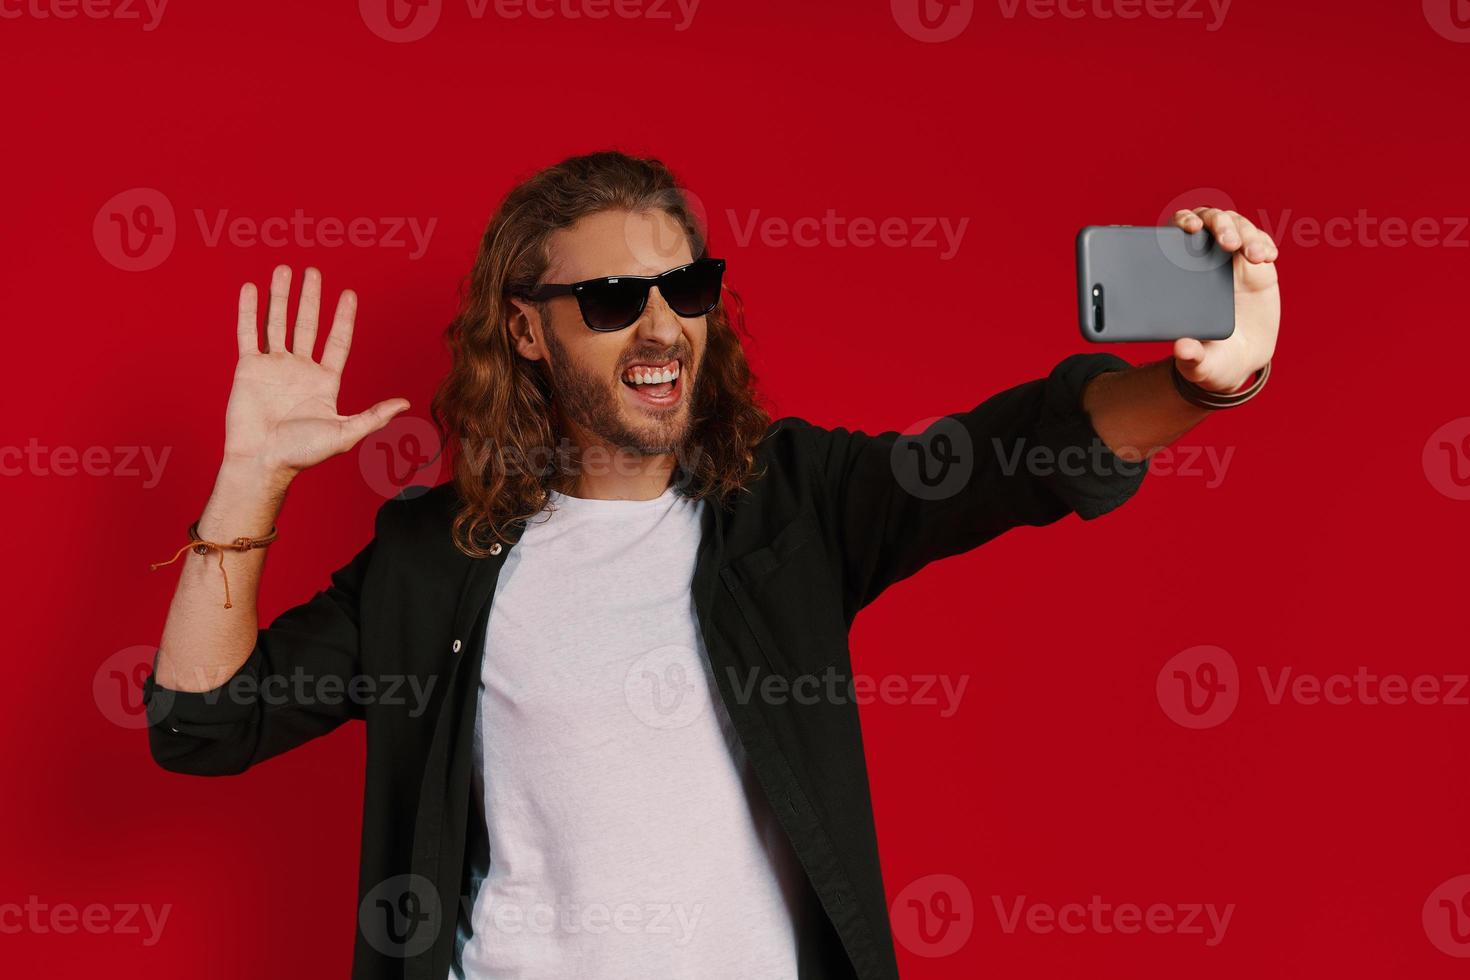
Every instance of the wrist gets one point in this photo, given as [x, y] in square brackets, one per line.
[252, 472]
[247, 498]
[1214, 386]
[1212, 398]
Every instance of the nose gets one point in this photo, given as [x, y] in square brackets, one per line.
[659, 324]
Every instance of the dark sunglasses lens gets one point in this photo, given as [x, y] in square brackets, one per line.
[612, 305]
[695, 289]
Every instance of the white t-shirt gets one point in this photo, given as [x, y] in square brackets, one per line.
[627, 835]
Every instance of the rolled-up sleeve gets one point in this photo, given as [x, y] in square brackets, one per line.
[292, 687]
[1029, 455]
[1074, 463]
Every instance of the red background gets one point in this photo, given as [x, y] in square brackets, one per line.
[1326, 547]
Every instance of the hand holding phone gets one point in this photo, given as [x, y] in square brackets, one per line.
[1143, 284]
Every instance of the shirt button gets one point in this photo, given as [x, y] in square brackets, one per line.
[455, 648]
[495, 548]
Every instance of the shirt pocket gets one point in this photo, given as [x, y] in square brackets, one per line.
[788, 595]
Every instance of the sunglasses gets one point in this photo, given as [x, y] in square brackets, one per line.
[615, 302]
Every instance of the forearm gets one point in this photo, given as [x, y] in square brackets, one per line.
[1138, 412]
[203, 643]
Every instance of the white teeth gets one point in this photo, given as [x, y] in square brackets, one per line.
[646, 376]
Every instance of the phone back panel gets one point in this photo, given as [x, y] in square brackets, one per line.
[1137, 284]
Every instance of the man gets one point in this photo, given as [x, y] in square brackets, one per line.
[629, 561]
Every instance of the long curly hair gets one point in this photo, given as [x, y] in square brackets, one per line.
[494, 409]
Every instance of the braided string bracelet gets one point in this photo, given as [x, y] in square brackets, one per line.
[202, 547]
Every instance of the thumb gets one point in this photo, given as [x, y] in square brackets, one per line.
[1190, 356]
[357, 427]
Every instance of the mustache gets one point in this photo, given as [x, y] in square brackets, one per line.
[679, 352]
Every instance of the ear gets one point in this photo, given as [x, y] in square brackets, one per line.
[525, 330]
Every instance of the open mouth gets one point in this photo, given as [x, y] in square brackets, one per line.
[657, 384]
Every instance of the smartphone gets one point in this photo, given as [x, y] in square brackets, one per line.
[1137, 284]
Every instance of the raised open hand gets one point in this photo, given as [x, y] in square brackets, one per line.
[282, 413]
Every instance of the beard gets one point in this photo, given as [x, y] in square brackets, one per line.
[596, 405]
